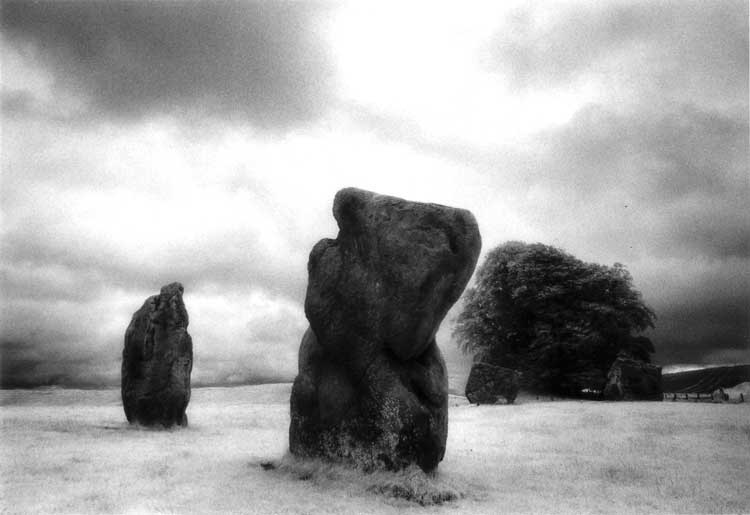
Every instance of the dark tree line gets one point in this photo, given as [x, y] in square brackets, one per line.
[558, 320]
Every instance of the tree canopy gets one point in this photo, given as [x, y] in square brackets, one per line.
[560, 321]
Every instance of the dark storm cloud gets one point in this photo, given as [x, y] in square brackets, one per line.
[661, 183]
[42, 265]
[658, 183]
[680, 170]
[653, 172]
[66, 327]
[684, 171]
[654, 176]
[49, 342]
[264, 62]
[668, 49]
[649, 184]
[17, 371]
[709, 322]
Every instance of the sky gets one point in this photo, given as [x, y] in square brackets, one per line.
[203, 142]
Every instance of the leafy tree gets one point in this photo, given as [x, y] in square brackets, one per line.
[560, 321]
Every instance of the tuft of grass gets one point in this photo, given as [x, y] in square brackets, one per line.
[410, 484]
[413, 485]
[624, 474]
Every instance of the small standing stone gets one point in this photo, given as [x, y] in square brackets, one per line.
[157, 361]
[487, 383]
[719, 395]
[633, 380]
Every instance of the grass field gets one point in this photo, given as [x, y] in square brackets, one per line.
[69, 451]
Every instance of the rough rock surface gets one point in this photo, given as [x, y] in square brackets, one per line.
[372, 386]
[633, 380]
[487, 383]
[157, 361]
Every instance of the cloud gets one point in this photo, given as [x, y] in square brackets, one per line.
[671, 182]
[16, 102]
[645, 185]
[96, 219]
[703, 309]
[262, 62]
[669, 50]
[237, 337]
[663, 189]
[618, 133]
[244, 338]
[49, 341]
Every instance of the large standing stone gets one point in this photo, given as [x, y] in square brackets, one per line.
[633, 380]
[157, 360]
[487, 383]
[372, 386]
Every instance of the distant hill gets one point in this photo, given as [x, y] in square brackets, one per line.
[705, 380]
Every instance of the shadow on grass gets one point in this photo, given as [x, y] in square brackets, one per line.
[411, 484]
[135, 427]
